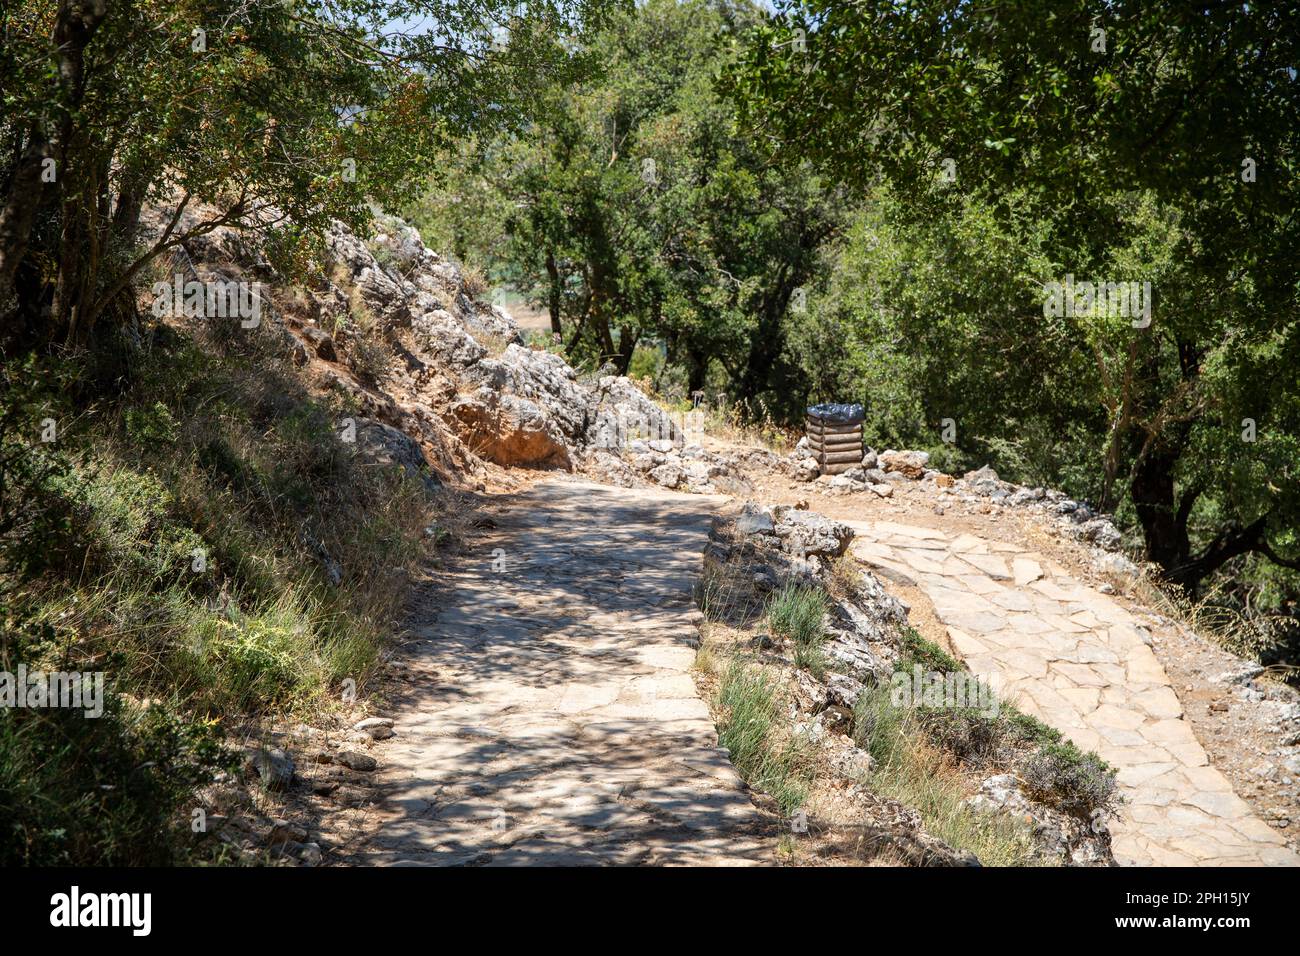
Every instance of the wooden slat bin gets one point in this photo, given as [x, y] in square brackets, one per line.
[835, 436]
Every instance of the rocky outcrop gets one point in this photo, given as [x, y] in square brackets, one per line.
[509, 430]
[404, 333]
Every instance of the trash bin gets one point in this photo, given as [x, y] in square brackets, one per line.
[835, 436]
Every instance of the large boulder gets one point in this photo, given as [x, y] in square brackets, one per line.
[510, 430]
[621, 413]
[381, 444]
[910, 464]
[438, 333]
[542, 379]
[806, 533]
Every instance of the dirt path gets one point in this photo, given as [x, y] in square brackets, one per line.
[1078, 661]
[551, 717]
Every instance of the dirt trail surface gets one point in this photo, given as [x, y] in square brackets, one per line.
[1080, 662]
[550, 716]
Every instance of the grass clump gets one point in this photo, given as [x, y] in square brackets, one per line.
[911, 769]
[727, 594]
[798, 612]
[749, 727]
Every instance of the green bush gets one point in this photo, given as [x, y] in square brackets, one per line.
[151, 425]
[931, 657]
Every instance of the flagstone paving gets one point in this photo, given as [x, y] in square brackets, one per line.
[1078, 661]
[552, 717]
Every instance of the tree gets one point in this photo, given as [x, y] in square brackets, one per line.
[279, 116]
[637, 211]
[1155, 143]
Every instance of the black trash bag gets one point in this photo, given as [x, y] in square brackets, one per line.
[832, 413]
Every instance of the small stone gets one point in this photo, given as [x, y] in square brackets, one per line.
[755, 522]
[309, 854]
[283, 831]
[356, 761]
[376, 728]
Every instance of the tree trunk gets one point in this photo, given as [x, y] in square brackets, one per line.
[74, 26]
[1152, 488]
[19, 210]
[553, 292]
[626, 346]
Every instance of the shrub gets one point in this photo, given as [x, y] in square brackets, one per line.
[262, 661]
[909, 768]
[931, 657]
[112, 790]
[974, 738]
[1061, 775]
[151, 425]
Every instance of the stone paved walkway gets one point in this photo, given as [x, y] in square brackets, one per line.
[1076, 660]
[551, 717]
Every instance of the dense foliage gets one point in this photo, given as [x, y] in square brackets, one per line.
[634, 211]
[1120, 143]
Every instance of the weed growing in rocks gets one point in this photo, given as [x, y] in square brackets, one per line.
[798, 612]
[750, 728]
[930, 656]
[910, 768]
